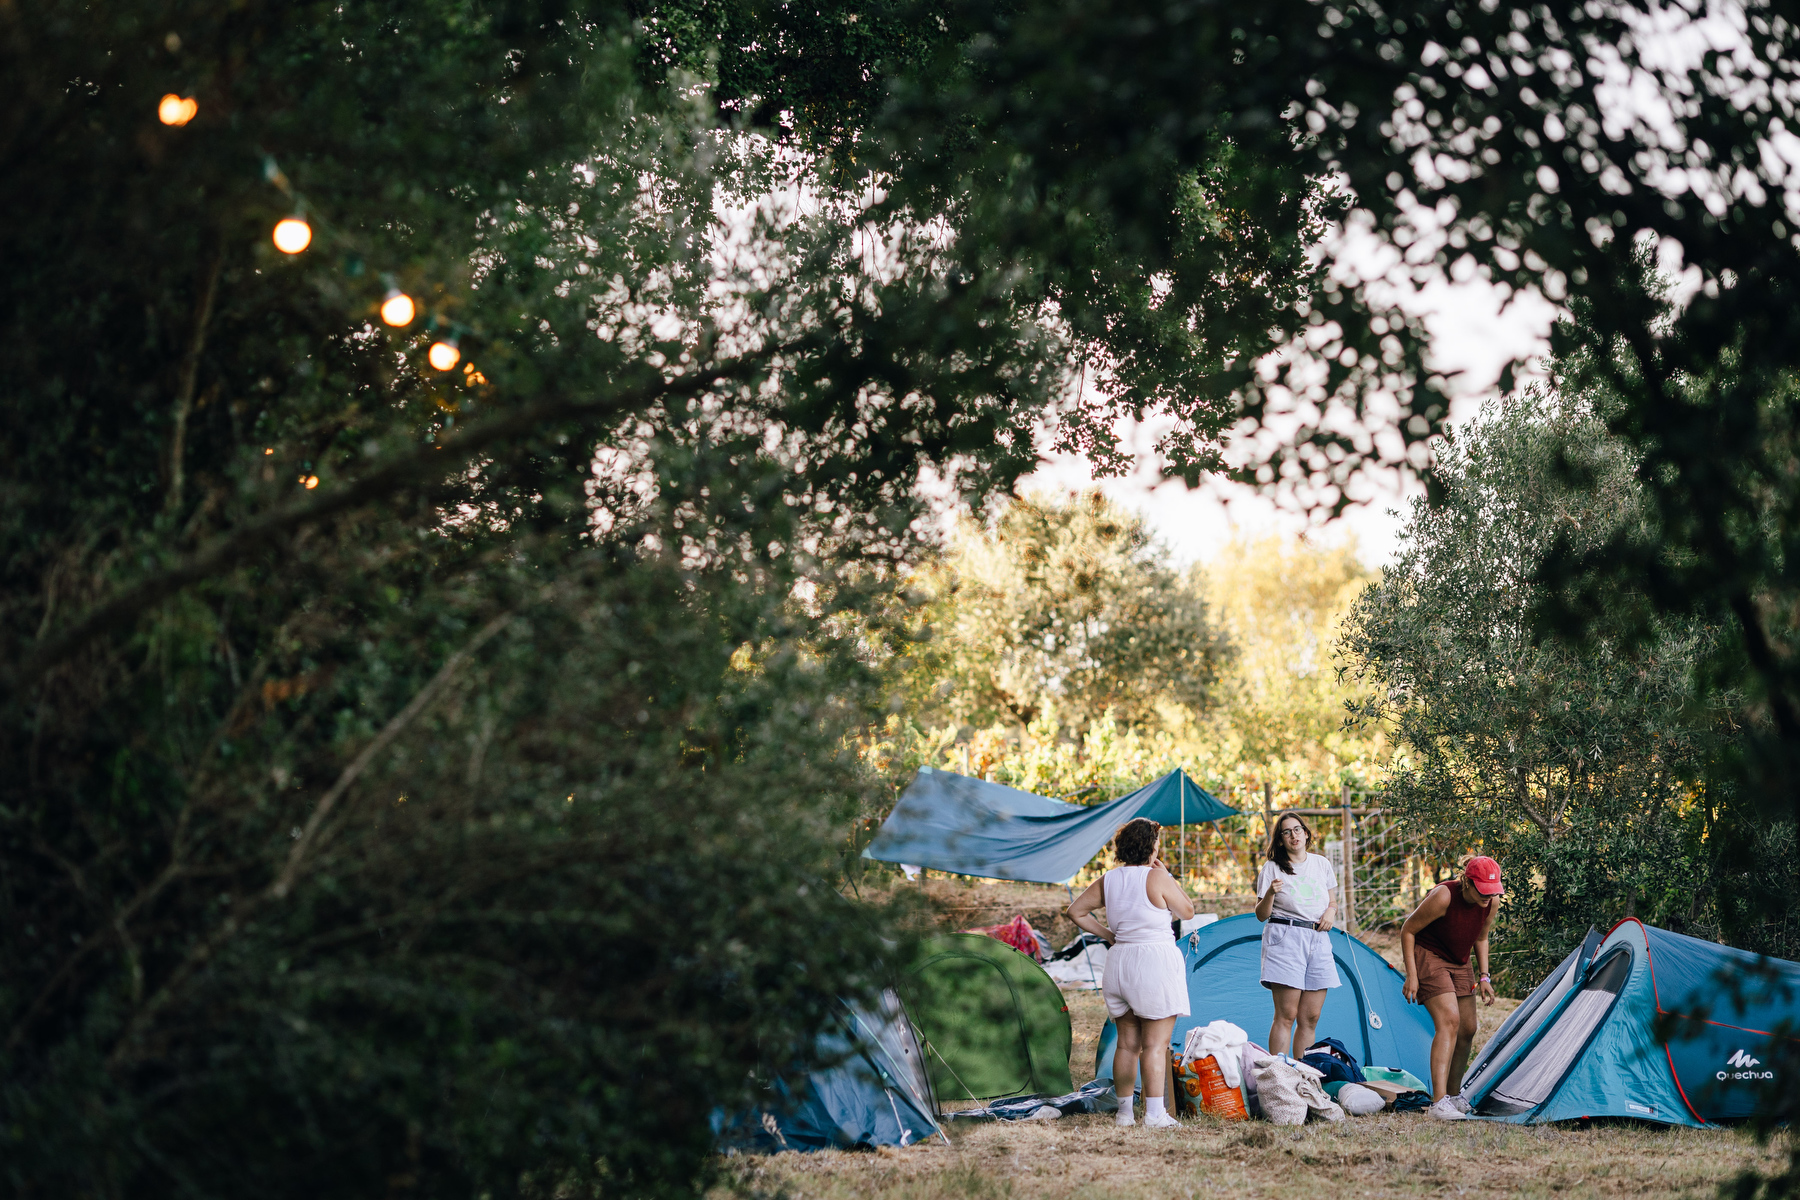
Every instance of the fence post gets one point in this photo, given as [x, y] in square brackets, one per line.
[1349, 861]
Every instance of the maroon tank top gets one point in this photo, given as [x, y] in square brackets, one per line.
[1454, 934]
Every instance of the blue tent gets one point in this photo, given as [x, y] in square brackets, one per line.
[877, 1094]
[973, 827]
[1584, 1043]
[1368, 1013]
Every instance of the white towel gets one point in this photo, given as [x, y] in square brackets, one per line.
[1224, 1041]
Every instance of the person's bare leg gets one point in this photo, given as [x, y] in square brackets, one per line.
[1287, 1009]
[1155, 1054]
[1447, 1020]
[1307, 1024]
[1127, 1058]
[1468, 1022]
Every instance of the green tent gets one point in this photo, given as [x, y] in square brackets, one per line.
[994, 1024]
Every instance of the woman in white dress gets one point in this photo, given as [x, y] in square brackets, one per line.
[1145, 984]
[1297, 903]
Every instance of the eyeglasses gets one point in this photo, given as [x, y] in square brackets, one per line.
[1293, 831]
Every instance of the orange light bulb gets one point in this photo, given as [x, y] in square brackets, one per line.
[397, 309]
[443, 355]
[292, 235]
[173, 110]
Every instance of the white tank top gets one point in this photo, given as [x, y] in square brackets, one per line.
[1129, 913]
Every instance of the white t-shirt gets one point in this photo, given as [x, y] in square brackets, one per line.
[1306, 893]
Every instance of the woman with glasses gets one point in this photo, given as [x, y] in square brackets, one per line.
[1297, 903]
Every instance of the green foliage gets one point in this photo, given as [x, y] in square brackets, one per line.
[1280, 706]
[1586, 770]
[1067, 607]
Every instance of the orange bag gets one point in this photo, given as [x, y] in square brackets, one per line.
[1201, 1081]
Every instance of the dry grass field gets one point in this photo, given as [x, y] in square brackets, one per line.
[1384, 1155]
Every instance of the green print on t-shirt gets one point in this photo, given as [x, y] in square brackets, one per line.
[1305, 890]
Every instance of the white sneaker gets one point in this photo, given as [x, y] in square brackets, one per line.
[1123, 1117]
[1450, 1108]
[1461, 1104]
[1161, 1120]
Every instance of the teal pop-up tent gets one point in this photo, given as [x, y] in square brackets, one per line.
[973, 827]
[1368, 1013]
[1586, 1043]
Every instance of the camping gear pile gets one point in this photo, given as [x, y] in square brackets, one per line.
[1368, 1016]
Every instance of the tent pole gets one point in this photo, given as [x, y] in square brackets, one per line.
[1182, 782]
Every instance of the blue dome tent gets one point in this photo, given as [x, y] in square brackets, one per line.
[1368, 1013]
[877, 1094]
[1584, 1043]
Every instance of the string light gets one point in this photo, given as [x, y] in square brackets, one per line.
[312, 481]
[269, 451]
[173, 110]
[444, 355]
[292, 235]
[472, 377]
[398, 310]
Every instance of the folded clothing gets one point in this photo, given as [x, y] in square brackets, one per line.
[1224, 1042]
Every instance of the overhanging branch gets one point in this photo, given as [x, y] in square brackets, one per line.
[437, 459]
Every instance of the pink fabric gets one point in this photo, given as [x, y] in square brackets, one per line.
[1016, 933]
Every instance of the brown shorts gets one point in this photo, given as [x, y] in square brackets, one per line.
[1439, 977]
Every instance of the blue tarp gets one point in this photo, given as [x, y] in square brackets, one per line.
[972, 827]
[1224, 964]
[1590, 1047]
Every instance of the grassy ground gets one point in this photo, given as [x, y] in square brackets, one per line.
[1388, 1154]
[1384, 1155]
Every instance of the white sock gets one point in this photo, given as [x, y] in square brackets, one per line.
[1124, 1115]
[1153, 1106]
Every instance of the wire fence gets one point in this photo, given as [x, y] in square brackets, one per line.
[1383, 873]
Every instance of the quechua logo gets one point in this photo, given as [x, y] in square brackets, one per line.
[1741, 1065]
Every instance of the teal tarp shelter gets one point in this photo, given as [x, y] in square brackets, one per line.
[1368, 1013]
[1584, 1043]
[877, 1093]
[972, 827]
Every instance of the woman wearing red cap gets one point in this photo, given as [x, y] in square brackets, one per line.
[1453, 919]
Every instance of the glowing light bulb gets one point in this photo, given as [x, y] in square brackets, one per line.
[397, 309]
[312, 481]
[292, 235]
[443, 355]
[173, 110]
[472, 377]
[270, 450]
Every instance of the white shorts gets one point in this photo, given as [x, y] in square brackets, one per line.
[1147, 980]
[1297, 957]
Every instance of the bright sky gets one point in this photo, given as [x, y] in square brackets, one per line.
[1470, 333]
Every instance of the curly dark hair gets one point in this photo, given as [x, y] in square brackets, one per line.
[1135, 843]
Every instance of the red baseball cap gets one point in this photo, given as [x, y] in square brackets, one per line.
[1484, 873]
